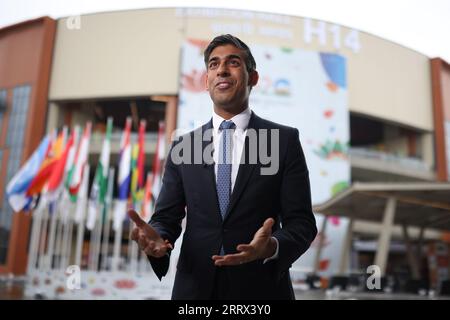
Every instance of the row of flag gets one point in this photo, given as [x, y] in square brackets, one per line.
[57, 172]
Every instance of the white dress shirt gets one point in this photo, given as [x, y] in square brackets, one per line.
[241, 121]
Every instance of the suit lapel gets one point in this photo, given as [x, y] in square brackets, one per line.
[208, 171]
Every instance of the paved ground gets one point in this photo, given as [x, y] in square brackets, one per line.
[13, 289]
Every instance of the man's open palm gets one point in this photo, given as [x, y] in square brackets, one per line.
[262, 246]
[147, 238]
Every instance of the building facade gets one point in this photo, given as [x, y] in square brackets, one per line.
[128, 63]
[25, 62]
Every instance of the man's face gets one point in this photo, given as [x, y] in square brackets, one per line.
[227, 79]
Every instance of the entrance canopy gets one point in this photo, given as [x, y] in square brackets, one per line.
[421, 204]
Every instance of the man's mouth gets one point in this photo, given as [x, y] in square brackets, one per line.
[223, 85]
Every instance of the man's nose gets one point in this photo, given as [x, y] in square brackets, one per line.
[222, 70]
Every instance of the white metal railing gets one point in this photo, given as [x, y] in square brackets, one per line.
[409, 162]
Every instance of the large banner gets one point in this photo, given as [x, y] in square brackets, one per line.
[303, 89]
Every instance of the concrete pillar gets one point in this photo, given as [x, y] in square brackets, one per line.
[385, 235]
[346, 248]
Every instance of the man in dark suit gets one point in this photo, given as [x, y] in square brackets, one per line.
[246, 222]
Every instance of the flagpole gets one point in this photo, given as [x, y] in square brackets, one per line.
[51, 239]
[107, 219]
[44, 235]
[133, 250]
[79, 215]
[66, 214]
[79, 241]
[68, 244]
[68, 255]
[59, 236]
[34, 244]
[91, 223]
[117, 247]
[98, 237]
[93, 241]
[118, 233]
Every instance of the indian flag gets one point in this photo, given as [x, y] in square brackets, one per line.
[75, 177]
[99, 186]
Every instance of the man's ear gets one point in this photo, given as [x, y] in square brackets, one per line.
[206, 82]
[253, 78]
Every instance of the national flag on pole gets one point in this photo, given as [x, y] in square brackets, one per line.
[56, 179]
[134, 173]
[141, 156]
[124, 176]
[41, 178]
[159, 157]
[75, 175]
[108, 195]
[18, 185]
[99, 186]
[140, 165]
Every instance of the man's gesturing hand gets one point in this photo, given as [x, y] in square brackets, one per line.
[147, 238]
[261, 247]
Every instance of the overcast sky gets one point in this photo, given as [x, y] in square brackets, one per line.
[422, 25]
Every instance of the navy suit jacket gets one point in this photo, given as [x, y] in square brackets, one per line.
[189, 189]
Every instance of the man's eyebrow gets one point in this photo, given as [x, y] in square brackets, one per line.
[230, 56]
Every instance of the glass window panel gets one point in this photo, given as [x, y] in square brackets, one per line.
[14, 141]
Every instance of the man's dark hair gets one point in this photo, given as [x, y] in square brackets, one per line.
[225, 39]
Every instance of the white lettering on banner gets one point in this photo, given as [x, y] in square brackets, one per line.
[276, 18]
[352, 40]
[248, 29]
[282, 33]
[336, 32]
[232, 14]
[319, 30]
[236, 28]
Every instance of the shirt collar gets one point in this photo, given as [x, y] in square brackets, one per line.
[241, 120]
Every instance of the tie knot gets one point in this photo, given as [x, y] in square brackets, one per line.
[227, 125]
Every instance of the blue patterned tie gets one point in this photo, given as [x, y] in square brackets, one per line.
[224, 166]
